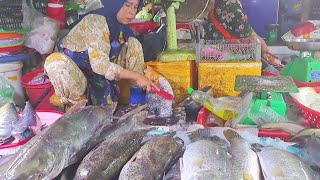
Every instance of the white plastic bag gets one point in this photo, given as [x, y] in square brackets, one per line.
[44, 36]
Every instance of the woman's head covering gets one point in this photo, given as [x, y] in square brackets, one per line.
[110, 11]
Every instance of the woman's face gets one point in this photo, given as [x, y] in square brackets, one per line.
[128, 11]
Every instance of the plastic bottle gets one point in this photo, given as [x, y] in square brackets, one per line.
[209, 103]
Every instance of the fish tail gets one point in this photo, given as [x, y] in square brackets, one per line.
[231, 134]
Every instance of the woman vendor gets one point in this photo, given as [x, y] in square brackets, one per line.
[227, 21]
[111, 51]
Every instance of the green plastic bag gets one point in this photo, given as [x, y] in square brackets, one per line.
[6, 92]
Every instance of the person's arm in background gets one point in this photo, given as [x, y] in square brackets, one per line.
[264, 46]
[241, 25]
[232, 17]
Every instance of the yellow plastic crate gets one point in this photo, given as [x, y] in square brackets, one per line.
[181, 76]
[222, 75]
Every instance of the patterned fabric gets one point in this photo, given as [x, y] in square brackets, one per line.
[92, 34]
[134, 57]
[68, 80]
[91, 38]
[229, 14]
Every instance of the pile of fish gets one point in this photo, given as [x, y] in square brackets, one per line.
[98, 147]
[205, 160]
[12, 126]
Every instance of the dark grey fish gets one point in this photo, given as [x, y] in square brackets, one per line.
[108, 158]
[153, 159]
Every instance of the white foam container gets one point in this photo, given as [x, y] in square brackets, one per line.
[13, 73]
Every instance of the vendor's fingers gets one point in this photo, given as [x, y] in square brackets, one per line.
[148, 88]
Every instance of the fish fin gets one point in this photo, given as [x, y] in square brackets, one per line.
[256, 147]
[247, 176]
[231, 134]
[277, 172]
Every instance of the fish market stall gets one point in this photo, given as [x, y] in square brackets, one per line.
[146, 90]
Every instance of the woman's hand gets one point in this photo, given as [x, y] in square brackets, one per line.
[253, 38]
[264, 46]
[139, 79]
[144, 82]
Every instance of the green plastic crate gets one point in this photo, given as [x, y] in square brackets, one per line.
[277, 104]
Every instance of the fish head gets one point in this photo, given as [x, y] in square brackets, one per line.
[30, 161]
[8, 117]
